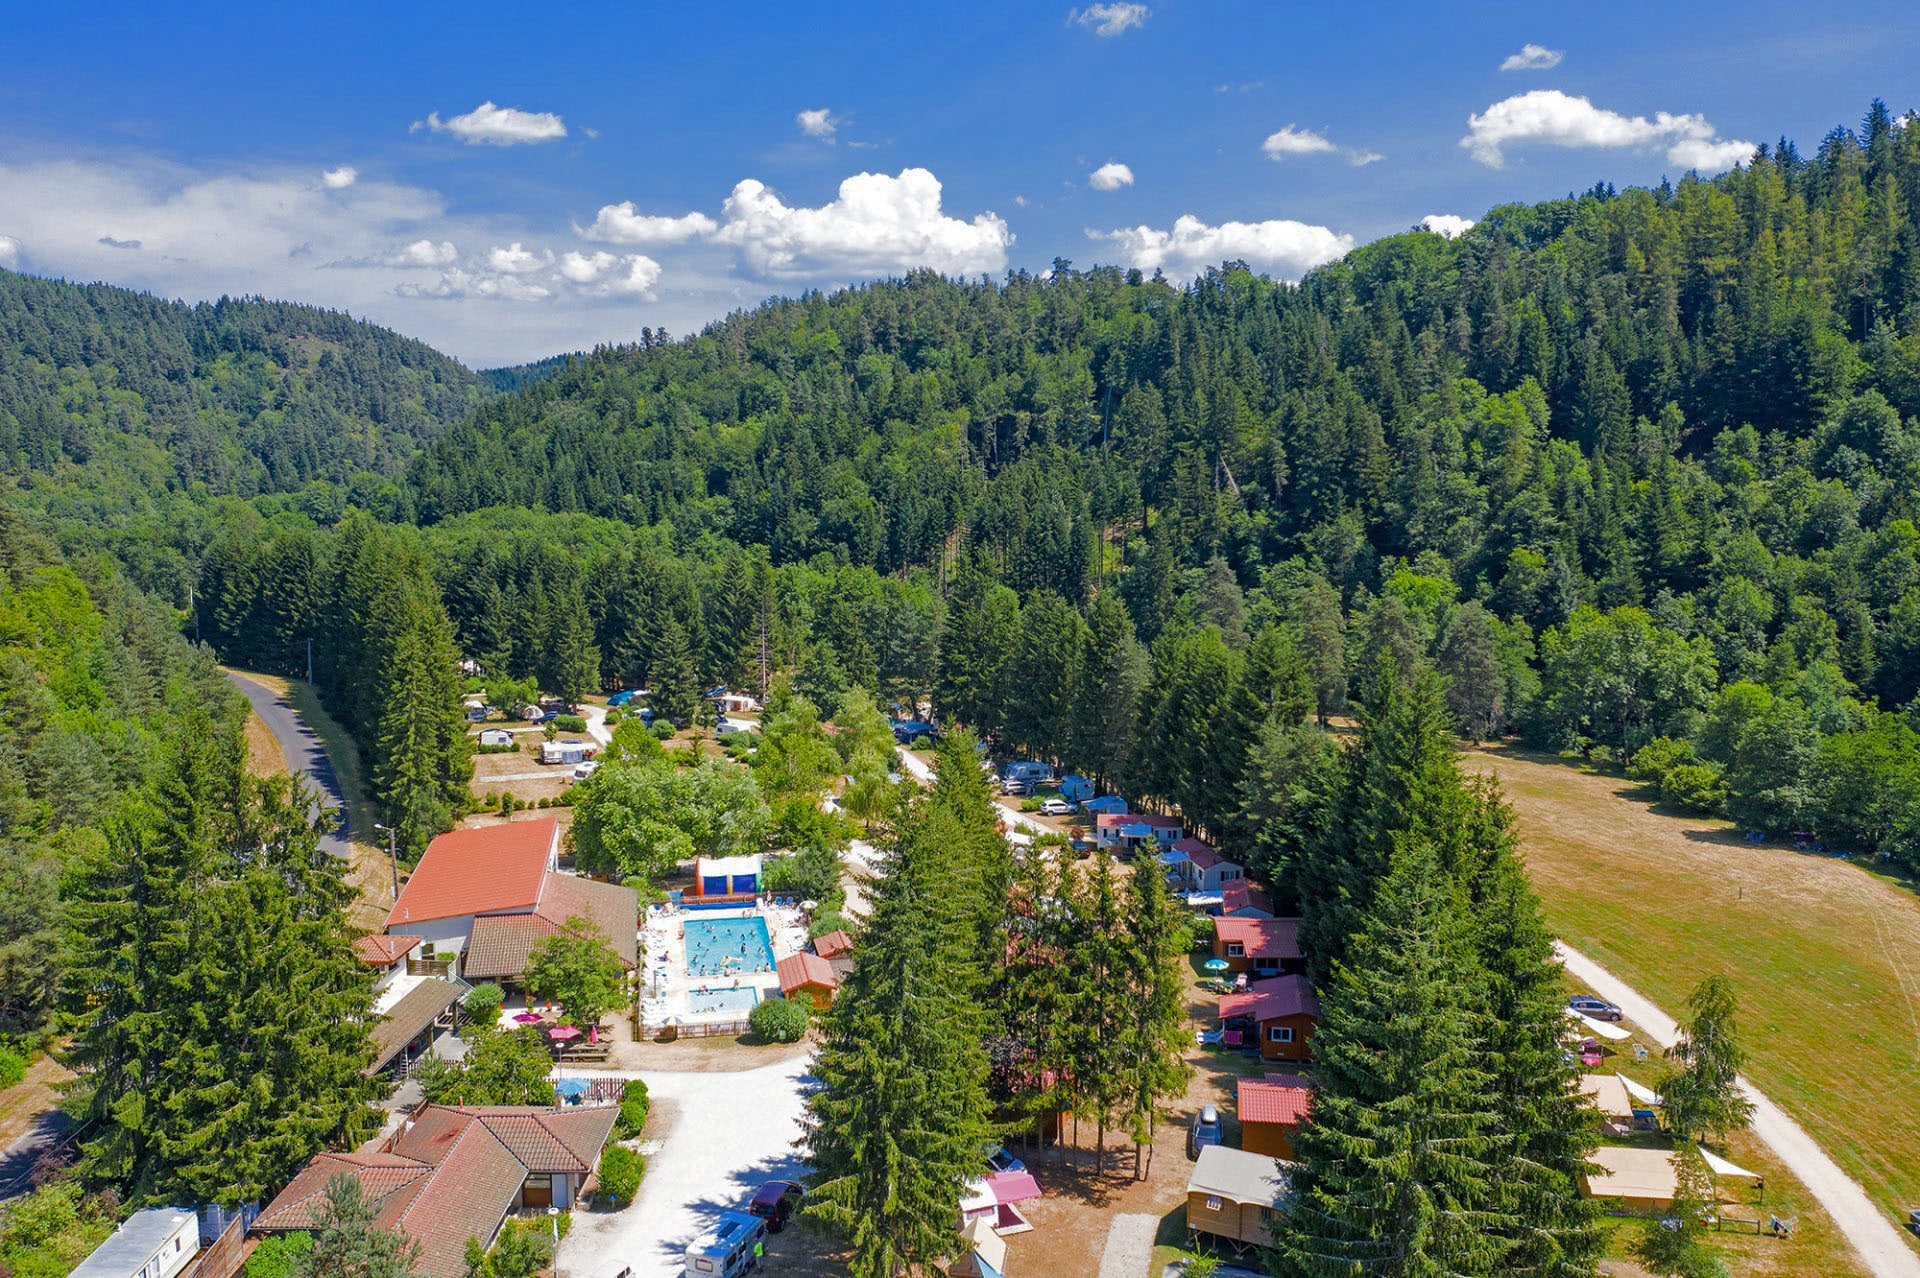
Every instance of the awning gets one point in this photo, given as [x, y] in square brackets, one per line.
[1721, 1167]
[1012, 1187]
[1136, 832]
[1603, 1029]
[1641, 1092]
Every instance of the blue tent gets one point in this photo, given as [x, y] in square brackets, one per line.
[620, 698]
[1105, 803]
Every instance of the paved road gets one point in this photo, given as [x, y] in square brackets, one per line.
[731, 1132]
[304, 751]
[1873, 1236]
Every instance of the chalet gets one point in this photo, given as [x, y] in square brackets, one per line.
[1264, 947]
[485, 897]
[1271, 1110]
[1197, 868]
[496, 737]
[1245, 899]
[1235, 1195]
[810, 977]
[1131, 831]
[452, 1173]
[833, 945]
[1282, 1011]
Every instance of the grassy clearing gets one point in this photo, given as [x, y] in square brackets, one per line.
[1826, 957]
[265, 758]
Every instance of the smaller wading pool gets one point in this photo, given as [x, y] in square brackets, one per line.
[703, 1002]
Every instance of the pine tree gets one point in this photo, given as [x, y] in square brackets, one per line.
[675, 683]
[1155, 1037]
[1106, 701]
[1401, 1161]
[348, 1244]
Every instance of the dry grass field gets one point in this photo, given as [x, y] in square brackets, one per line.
[1825, 956]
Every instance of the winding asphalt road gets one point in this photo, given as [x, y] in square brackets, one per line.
[304, 751]
[1872, 1234]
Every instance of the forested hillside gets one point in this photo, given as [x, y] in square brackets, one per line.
[1637, 470]
[242, 395]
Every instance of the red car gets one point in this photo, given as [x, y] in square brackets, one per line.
[775, 1202]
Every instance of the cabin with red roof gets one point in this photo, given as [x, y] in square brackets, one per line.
[1245, 899]
[810, 977]
[1262, 947]
[489, 895]
[1282, 1012]
[1271, 1111]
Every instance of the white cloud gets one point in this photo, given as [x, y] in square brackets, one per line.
[1361, 159]
[817, 123]
[1110, 176]
[1533, 57]
[9, 252]
[582, 269]
[623, 224]
[609, 273]
[341, 178]
[1110, 19]
[1281, 246]
[424, 253]
[515, 260]
[490, 125]
[459, 283]
[877, 224]
[1450, 225]
[1293, 141]
[1548, 117]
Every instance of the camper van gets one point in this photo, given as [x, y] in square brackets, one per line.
[734, 1245]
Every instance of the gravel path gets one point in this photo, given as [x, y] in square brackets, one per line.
[1873, 1236]
[301, 744]
[730, 1133]
[1129, 1246]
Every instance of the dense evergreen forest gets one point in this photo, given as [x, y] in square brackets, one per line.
[1634, 469]
[243, 396]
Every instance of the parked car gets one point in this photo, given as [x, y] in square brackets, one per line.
[1055, 807]
[999, 1160]
[1598, 1008]
[775, 1202]
[1205, 1131]
[1014, 787]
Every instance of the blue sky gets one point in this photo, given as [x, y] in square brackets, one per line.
[661, 168]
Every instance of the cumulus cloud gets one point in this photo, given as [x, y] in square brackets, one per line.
[1281, 246]
[1360, 159]
[490, 125]
[1533, 57]
[1110, 176]
[1548, 117]
[1294, 141]
[1450, 225]
[9, 252]
[515, 260]
[461, 283]
[1110, 19]
[610, 273]
[817, 123]
[341, 178]
[877, 224]
[623, 224]
[423, 254]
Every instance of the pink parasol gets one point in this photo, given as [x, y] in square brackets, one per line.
[527, 1018]
[561, 1033]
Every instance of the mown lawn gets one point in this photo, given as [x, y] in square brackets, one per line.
[1826, 957]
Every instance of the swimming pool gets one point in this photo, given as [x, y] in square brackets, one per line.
[728, 947]
[707, 1002]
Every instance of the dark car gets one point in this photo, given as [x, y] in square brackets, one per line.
[1598, 1008]
[775, 1202]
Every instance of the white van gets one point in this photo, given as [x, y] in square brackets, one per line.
[734, 1245]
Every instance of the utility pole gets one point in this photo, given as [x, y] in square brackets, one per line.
[309, 660]
[393, 854]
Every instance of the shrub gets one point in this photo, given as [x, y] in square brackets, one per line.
[662, 728]
[483, 1003]
[1652, 761]
[780, 1020]
[511, 747]
[13, 1067]
[633, 1113]
[922, 742]
[570, 723]
[1029, 805]
[620, 1172]
[1698, 787]
[824, 922]
[277, 1255]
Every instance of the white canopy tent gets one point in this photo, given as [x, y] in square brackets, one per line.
[1600, 1029]
[1721, 1167]
[1641, 1092]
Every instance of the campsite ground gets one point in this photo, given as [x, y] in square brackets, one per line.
[1825, 956]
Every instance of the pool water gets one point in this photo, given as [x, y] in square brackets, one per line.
[707, 1002]
[728, 947]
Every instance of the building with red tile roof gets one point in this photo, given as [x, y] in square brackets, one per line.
[1245, 899]
[450, 1174]
[1284, 1013]
[500, 943]
[1271, 1111]
[832, 945]
[384, 949]
[1265, 947]
[808, 976]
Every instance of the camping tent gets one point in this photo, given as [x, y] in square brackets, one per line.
[988, 1258]
[1609, 1095]
[1642, 1179]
